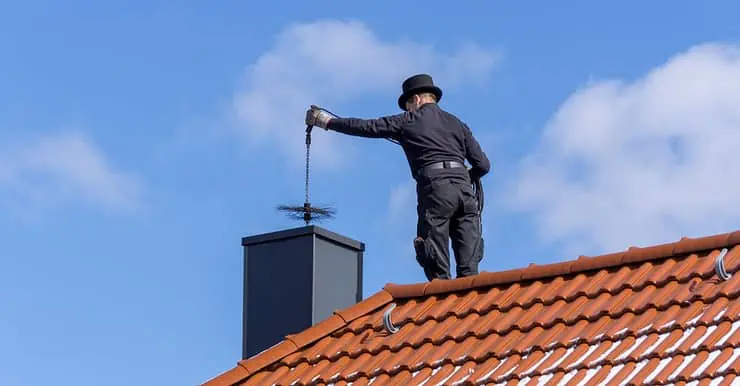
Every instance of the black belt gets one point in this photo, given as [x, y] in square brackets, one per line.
[441, 165]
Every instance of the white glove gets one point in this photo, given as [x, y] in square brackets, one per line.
[318, 117]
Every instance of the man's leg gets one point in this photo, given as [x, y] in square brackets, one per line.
[436, 203]
[466, 233]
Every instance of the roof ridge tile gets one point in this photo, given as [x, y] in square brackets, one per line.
[734, 238]
[639, 254]
[268, 356]
[229, 377]
[316, 332]
[437, 286]
[535, 271]
[400, 291]
[688, 244]
[633, 254]
[376, 300]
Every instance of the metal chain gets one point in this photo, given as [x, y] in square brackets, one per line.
[308, 151]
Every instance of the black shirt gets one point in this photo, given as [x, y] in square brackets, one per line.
[427, 135]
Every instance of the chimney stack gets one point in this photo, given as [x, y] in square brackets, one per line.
[294, 279]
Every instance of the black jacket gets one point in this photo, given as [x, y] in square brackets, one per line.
[427, 135]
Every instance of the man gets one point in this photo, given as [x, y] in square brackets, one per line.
[436, 144]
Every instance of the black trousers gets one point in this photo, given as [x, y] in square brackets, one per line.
[447, 209]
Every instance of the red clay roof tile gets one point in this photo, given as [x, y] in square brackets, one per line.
[660, 314]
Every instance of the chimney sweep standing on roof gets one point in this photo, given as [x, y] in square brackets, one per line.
[436, 144]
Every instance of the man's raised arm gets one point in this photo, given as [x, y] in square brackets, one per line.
[383, 127]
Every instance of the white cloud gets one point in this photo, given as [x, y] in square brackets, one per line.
[64, 167]
[644, 162]
[330, 63]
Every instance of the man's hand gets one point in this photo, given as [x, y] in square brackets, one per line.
[318, 117]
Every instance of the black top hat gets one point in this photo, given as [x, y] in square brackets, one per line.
[418, 84]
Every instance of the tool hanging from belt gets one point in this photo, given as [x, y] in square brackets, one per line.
[478, 185]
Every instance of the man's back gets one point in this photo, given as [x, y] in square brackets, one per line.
[431, 134]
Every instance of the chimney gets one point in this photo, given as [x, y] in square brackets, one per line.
[294, 279]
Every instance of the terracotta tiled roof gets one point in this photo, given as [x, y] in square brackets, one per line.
[662, 314]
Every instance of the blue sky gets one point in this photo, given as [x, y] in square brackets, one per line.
[139, 141]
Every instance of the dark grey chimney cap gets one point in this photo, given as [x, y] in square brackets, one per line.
[295, 232]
